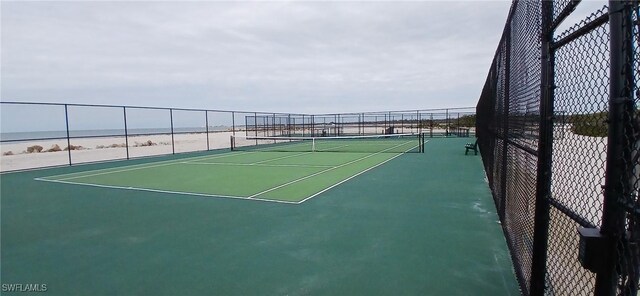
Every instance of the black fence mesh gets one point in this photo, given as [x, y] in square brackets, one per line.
[559, 132]
[454, 122]
[628, 239]
[67, 134]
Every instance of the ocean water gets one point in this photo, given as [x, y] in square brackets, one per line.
[34, 135]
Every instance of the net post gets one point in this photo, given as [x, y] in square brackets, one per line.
[313, 144]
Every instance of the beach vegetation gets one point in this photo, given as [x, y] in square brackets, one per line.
[464, 121]
[145, 144]
[54, 148]
[34, 149]
[111, 146]
[73, 147]
[590, 124]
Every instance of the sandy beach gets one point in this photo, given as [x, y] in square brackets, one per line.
[108, 148]
[14, 155]
[578, 172]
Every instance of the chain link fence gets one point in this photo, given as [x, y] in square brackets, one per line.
[434, 123]
[559, 132]
[35, 135]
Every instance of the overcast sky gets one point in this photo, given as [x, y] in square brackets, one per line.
[310, 57]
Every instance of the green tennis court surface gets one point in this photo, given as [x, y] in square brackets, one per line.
[290, 177]
[395, 224]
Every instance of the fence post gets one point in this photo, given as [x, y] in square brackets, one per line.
[206, 126]
[616, 181]
[447, 122]
[505, 120]
[233, 123]
[66, 120]
[386, 123]
[126, 130]
[375, 124]
[545, 145]
[273, 124]
[431, 125]
[173, 145]
[632, 137]
[418, 122]
[255, 126]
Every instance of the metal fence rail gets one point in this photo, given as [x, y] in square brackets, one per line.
[559, 132]
[35, 135]
[443, 122]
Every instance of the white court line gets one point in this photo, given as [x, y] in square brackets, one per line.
[164, 191]
[275, 148]
[260, 165]
[138, 167]
[349, 178]
[262, 161]
[357, 174]
[283, 157]
[332, 148]
[327, 170]
[253, 197]
[273, 159]
[151, 164]
[290, 156]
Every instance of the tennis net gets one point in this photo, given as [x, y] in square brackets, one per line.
[396, 143]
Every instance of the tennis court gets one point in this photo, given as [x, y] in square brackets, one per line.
[390, 223]
[288, 170]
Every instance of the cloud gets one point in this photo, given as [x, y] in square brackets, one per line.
[273, 56]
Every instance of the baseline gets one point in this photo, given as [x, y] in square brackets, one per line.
[163, 191]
